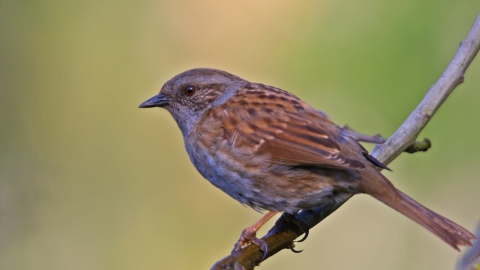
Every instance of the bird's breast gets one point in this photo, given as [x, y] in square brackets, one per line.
[225, 168]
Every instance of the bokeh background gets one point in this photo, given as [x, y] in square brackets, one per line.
[89, 181]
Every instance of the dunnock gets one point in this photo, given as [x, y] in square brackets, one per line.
[268, 149]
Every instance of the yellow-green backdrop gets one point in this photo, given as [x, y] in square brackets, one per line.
[89, 181]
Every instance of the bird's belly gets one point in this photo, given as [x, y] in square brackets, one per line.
[271, 187]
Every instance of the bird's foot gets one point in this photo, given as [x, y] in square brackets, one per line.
[300, 224]
[249, 235]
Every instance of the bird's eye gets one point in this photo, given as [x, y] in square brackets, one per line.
[189, 90]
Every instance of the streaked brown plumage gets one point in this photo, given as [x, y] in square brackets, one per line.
[270, 150]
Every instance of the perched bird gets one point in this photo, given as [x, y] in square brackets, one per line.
[270, 150]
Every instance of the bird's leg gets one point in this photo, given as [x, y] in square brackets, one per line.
[249, 234]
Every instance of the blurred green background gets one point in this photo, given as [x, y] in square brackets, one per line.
[89, 181]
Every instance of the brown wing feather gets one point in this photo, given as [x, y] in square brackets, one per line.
[288, 139]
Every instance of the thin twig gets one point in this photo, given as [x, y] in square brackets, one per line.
[282, 234]
[438, 93]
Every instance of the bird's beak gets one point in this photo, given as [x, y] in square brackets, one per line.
[157, 101]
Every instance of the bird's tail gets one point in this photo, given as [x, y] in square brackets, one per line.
[450, 232]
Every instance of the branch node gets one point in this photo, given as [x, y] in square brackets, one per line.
[419, 146]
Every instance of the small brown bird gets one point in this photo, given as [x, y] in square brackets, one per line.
[268, 149]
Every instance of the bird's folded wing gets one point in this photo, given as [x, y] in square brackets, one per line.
[287, 139]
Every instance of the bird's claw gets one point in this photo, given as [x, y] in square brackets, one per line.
[248, 237]
[292, 248]
[305, 235]
[302, 225]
